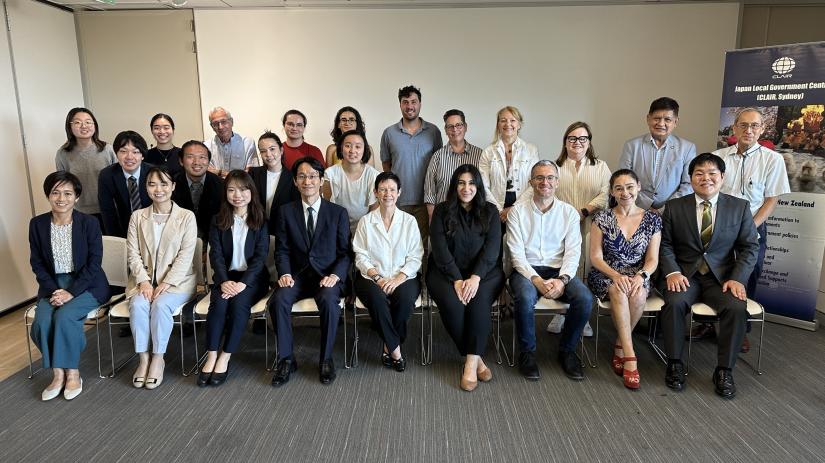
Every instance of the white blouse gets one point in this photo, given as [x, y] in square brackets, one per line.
[355, 196]
[390, 251]
[494, 172]
[239, 231]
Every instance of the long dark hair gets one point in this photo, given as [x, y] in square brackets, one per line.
[71, 140]
[590, 154]
[254, 211]
[359, 123]
[479, 214]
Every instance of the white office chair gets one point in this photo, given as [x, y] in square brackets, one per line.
[756, 314]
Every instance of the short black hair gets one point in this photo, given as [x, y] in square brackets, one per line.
[61, 176]
[130, 136]
[194, 143]
[706, 158]
[313, 163]
[455, 112]
[407, 91]
[664, 104]
[340, 143]
[384, 176]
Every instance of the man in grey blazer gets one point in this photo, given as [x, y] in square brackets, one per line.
[709, 247]
[659, 158]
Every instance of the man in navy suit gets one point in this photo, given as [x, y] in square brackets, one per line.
[709, 247]
[312, 258]
[121, 187]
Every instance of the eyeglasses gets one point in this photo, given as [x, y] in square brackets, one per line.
[298, 125]
[544, 178]
[220, 122]
[458, 126]
[346, 120]
[82, 123]
[311, 177]
[753, 126]
[581, 140]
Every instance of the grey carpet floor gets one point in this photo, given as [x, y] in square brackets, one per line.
[373, 414]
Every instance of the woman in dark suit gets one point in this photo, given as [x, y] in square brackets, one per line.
[273, 182]
[238, 245]
[66, 252]
[464, 273]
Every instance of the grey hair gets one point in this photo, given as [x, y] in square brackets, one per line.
[544, 163]
[749, 109]
[220, 108]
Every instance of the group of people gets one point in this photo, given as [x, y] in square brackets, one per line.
[696, 224]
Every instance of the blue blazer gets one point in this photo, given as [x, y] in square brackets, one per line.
[256, 249]
[87, 253]
[733, 248]
[330, 248]
[113, 195]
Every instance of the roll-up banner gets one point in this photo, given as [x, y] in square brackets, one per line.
[787, 83]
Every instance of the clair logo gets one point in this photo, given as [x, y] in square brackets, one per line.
[782, 67]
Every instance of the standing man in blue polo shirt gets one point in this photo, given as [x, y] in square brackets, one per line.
[406, 149]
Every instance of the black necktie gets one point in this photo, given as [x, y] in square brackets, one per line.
[196, 188]
[134, 196]
[310, 223]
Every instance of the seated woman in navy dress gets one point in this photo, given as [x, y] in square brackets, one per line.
[624, 252]
[66, 252]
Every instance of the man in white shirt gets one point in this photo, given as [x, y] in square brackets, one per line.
[229, 150]
[544, 240]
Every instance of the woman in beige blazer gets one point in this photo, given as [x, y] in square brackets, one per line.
[161, 245]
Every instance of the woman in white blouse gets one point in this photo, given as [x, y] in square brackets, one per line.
[388, 255]
[505, 164]
[350, 183]
[160, 248]
[238, 245]
[583, 182]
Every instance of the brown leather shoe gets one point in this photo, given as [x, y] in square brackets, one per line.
[467, 385]
[484, 375]
[746, 345]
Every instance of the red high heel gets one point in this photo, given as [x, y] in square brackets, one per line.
[631, 378]
[617, 362]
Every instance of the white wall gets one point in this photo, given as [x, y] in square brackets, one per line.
[601, 64]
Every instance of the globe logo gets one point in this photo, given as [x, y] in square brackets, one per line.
[783, 65]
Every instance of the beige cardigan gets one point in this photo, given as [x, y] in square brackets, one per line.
[174, 256]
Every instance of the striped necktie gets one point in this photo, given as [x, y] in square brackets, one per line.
[707, 232]
[134, 196]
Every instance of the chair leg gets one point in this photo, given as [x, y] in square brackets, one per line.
[596, 338]
[266, 342]
[690, 343]
[32, 372]
[422, 338]
[344, 315]
[651, 338]
[97, 342]
[761, 338]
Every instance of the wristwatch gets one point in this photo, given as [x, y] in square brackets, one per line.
[564, 279]
[376, 277]
[585, 212]
[645, 276]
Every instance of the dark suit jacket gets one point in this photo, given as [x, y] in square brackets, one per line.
[256, 249]
[285, 192]
[87, 253]
[113, 195]
[210, 199]
[330, 248]
[731, 253]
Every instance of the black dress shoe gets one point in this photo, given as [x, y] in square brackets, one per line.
[258, 326]
[703, 331]
[723, 382]
[203, 378]
[571, 365]
[125, 332]
[218, 378]
[400, 364]
[282, 371]
[327, 372]
[675, 376]
[528, 367]
[386, 360]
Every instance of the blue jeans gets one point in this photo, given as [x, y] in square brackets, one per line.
[525, 296]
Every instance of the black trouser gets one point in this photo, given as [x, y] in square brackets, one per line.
[229, 316]
[732, 313]
[468, 325]
[389, 312]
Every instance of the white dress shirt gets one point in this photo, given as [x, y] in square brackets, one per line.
[494, 173]
[316, 206]
[544, 239]
[390, 251]
[757, 174]
[239, 231]
[272, 179]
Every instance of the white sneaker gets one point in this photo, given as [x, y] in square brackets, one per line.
[556, 324]
[587, 332]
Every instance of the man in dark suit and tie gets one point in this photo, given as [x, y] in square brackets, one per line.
[196, 188]
[709, 247]
[121, 187]
[312, 258]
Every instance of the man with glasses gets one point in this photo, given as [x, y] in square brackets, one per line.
[312, 259]
[456, 152]
[544, 240]
[659, 158]
[406, 149]
[230, 150]
[757, 174]
[295, 122]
